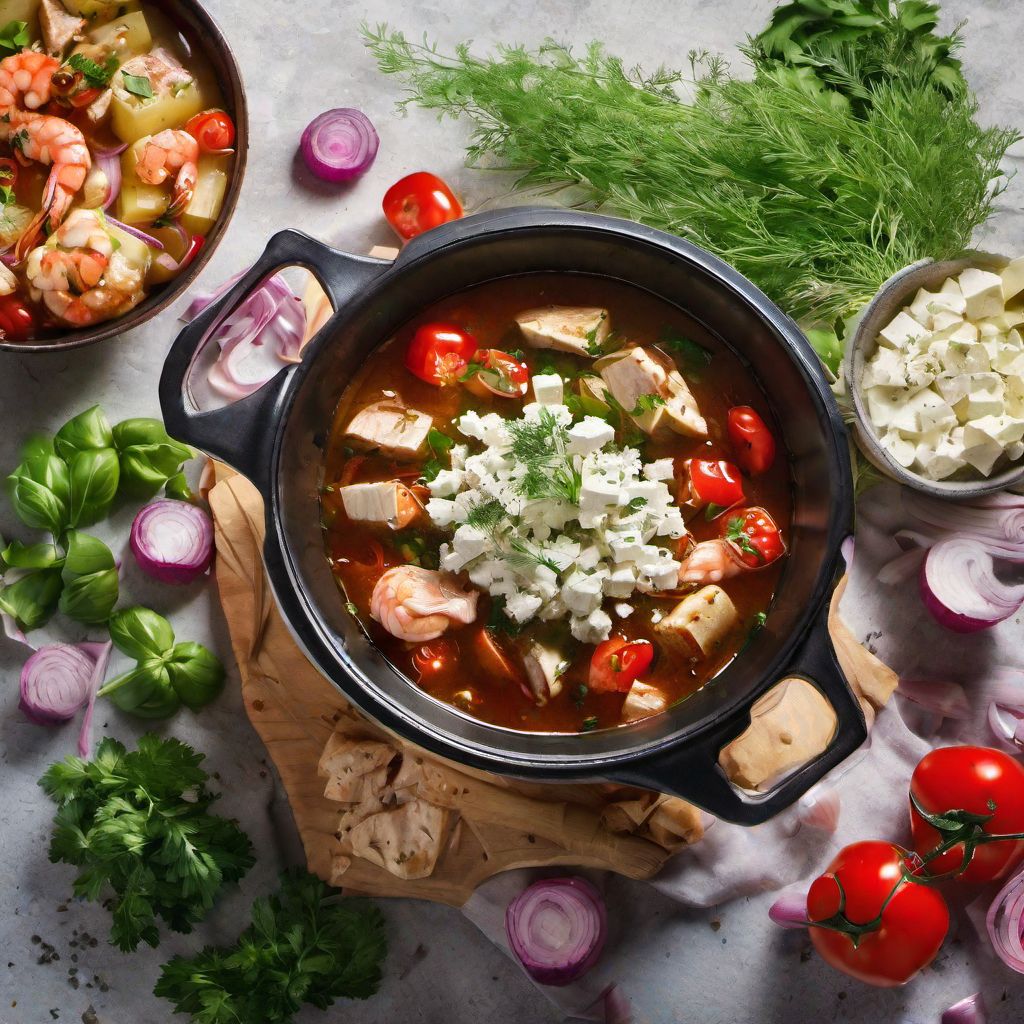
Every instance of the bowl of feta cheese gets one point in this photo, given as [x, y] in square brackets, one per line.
[935, 370]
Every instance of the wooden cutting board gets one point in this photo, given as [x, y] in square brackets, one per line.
[484, 824]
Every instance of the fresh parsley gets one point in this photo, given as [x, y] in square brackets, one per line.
[96, 75]
[440, 445]
[14, 37]
[692, 356]
[305, 945]
[735, 532]
[646, 403]
[139, 823]
[713, 511]
[635, 504]
[138, 85]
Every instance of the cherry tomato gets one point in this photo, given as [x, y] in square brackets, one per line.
[8, 172]
[754, 535]
[498, 374]
[617, 663]
[716, 484]
[980, 781]
[17, 321]
[867, 885]
[435, 659]
[213, 130]
[753, 441]
[419, 202]
[440, 353]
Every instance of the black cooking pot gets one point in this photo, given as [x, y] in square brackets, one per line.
[276, 438]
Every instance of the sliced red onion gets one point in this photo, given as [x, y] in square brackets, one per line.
[340, 144]
[996, 522]
[110, 165]
[1005, 923]
[819, 808]
[200, 300]
[971, 1010]
[104, 151]
[556, 928]
[172, 541]
[960, 588]
[946, 699]
[790, 909]
[153, 243]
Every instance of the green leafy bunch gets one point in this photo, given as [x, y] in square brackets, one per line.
[304, 945]
[139, 823]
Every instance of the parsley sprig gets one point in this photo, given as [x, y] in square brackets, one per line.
[139, 823]
[96, 75]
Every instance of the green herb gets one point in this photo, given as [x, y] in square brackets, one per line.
[88, 431]
[304, 945]
[96, 75]
[89, 578]
[40, 490]
[149, 458]
[139, 824]
[94, 477]
[589, 724]
[472, 369]
[18, 139]
[440, 445]
[541, 446]
[138, 85]
[6, 194]
[31, 556]
[815, 202]
[167, 674]
[580, 695]
[14, 37]
[645, 404]
[32, 599]
[500, 622]
[635, 504]
[713, 511]
[517, 354]
[352, 608]
[177, 487]
[827, 344]
[734, 531]
[486, 515]
[693, 356]
[760, 618]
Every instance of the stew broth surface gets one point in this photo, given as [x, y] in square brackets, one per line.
[453, 672]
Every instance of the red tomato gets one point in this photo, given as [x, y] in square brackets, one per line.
[435, 658]
[753, 441]
[17, 321]
[904, 929]
[494, 372]
[440, 353]
[715, 484]
[418, 203]
[754, 535]
[617, 663]
[213, 130]
[982, 782]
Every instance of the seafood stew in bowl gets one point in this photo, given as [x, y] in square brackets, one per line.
[117, 160]
[555, 503]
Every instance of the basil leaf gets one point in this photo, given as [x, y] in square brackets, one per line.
[138, 85]
[90, 598]
[141, 633]
[146, 691]
[149, 457]
[85, 431]
[177, 487]
[95, 475]
[40, 493]
[36, 445]
[31, 556]
[86, 554]
[196, 674]
[14, 37]
[32, 599]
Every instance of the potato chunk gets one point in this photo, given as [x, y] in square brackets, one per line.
[176, 96]
[700, 622]
[388, 503]
[642, 701]
[637, 372]
[129, 34]
[211, 186]
[575, 329]
[391, 427]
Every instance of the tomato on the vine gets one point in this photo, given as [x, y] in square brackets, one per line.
[440, 353]
[419, 202]
[753, 441]
[213, 130]
[715, 484]
[17, 321]
[882, 925]
[752, 532]
[617, 663]
[968, 792]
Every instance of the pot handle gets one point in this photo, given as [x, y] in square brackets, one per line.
[693, 772]
[242, 434]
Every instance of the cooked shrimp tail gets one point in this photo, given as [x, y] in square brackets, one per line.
[710, 561]
[417, 604]
[161, 155]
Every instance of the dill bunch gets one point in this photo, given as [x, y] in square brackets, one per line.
[814, 201]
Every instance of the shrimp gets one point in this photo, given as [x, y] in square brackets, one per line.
[54, 141]
[26, 80]
[79, 275]
[711, 561]
[167, 151]
[420, 604]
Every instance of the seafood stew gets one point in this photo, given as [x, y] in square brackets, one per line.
[115, 160]
[556, 503]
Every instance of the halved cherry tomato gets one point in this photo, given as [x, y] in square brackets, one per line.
[981, 782]
[493, 372]
[213, 130]
[17, 321]
[753, 441]
[755, 536]
[440, 353]
[419, 202]
[901, 923]
[617, 663]
[715, 484]
[8, 172]
[435, 658]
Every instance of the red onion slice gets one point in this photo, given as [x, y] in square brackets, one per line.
[995, 522]
[340, 144]
[153, 243]
[557, 929]
[1005, 924]
[110, 165]
[971, 1010]
[790, 909]
[172, 541]
[960, 588]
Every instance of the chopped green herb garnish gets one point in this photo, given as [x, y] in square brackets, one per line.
[692, 356]
[579, 695]
[646, 403]
[589, 724]
[439, 444]
[14, 37]
[351, 606]
[138, 85]
[96, 75]
[635, 504]
[541, 445]
[498, 621]
[735, 532]
[487, 515]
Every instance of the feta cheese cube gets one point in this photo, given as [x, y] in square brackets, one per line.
[980, 450]
[660, 469]
[623, 610]
[446, 483]
[592, 629]
[621, 582]
[1012, 278]
[598, 492]
[442, 512]
[883, 404]
[547, 388]
[582, 593]
[983, 293]
[900, 331]
[908, 418]
[522, 607]
[589, 435]
[903, 451]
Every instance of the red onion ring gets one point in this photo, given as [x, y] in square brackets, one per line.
[172, 541]
[971, 1010]
[960, 589]
[110, 165]
[340, 144]
[995, 521]
[1005, 923]
[153, 243]
[557, 929]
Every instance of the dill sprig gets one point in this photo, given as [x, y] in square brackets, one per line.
[814, 200]
[540, 445]
[492, 518]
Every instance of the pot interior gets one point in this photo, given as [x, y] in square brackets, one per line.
[702, 287]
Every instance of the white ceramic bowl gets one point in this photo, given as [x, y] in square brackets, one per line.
[893, 296]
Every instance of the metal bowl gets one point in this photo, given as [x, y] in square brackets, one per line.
[896, 293]
[210, 41]
[276, 437]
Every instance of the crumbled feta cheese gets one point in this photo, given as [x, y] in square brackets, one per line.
[547, 388]
[589, 435]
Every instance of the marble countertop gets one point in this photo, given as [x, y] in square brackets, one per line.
[726, 964]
